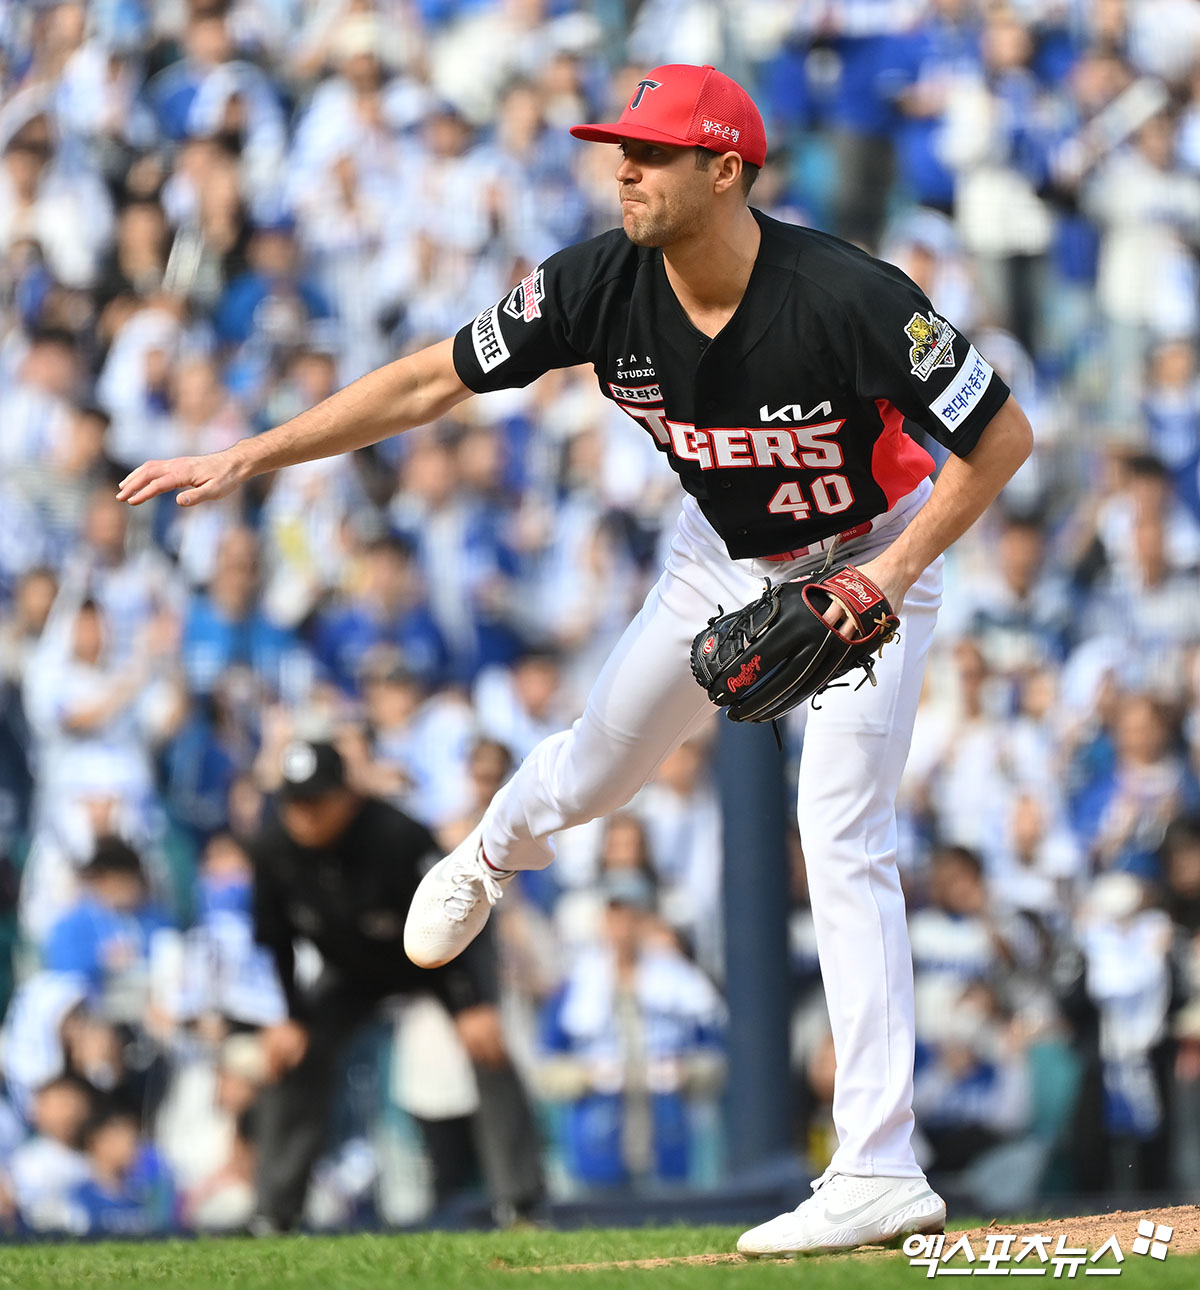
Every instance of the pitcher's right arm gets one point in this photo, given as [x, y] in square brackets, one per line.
[409, 392]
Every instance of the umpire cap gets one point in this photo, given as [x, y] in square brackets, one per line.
[310, 769]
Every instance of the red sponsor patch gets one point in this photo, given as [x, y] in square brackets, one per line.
[749, 672]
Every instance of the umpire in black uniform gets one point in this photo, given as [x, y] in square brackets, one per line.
[339, 869]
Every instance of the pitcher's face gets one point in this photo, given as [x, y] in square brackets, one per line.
[664, 197]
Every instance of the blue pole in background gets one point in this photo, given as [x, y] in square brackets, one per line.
[756, 808]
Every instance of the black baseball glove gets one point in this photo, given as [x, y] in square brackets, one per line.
[768, 657]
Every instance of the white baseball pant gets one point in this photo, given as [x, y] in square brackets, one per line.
[645, 702]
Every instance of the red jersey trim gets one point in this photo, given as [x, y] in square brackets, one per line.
[898, 462]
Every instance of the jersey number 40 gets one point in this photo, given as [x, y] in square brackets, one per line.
[830, 494]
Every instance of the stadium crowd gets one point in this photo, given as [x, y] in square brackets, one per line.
[215, 212]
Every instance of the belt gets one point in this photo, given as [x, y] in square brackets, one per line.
[823, 545]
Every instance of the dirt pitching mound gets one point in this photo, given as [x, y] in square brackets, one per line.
[1090, 1231]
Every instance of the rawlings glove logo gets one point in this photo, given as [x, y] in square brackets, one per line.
[856, 587]
[750, 670]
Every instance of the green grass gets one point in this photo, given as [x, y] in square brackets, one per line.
[485, 1262]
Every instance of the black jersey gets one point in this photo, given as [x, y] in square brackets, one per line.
[788, 426]
[350, 900]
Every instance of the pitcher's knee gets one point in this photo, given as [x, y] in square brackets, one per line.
[588, 792]
[594, 799]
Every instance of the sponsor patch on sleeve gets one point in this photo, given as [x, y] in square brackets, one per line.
[955, 402]
[490, 348]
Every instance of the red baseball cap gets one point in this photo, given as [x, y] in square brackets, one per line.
[688, 106]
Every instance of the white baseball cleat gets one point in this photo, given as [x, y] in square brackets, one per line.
[452, 904]
[845, 1211]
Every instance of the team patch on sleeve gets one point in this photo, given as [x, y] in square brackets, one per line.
[932, 344]
[954, 404]
[490, 348]
[525, 299]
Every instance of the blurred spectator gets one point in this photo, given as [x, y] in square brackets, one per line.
[1149, 215]
[128, 1191]
[971, 1084]
[940, 49]
[273, 301]
[66, 209]
[19, 635]
[1122, 814]
[105, 940]
[464, 553]
[203, 201]
[44, 1010]
[1126, 944]
[419, 743]
[1159, 614]
[32, 600]
[129, 579]
[201, 762]
[1181, 874]
[224, 1201]
[1171, 406]
[521, 704]
[953, 940]
[619, 845]
[957, 771]
[97, 720]
[1181, 878]
[137, 262]
[387, 608]
[682, 820]
[1037, 868]
[225, 627]
[996, 140]
[862, 60]
[227, 979]
[36, 403]
[1020, 614]
[631, 1041]
[489, 764]
[1185, 1155]
[210, 93]
[47, 1167]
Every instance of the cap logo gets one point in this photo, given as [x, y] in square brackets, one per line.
[642, 87]
[299, 762]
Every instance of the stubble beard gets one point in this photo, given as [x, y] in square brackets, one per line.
[661, 228]
[646, 231]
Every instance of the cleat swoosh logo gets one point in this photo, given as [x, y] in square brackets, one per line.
[859, 1209]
